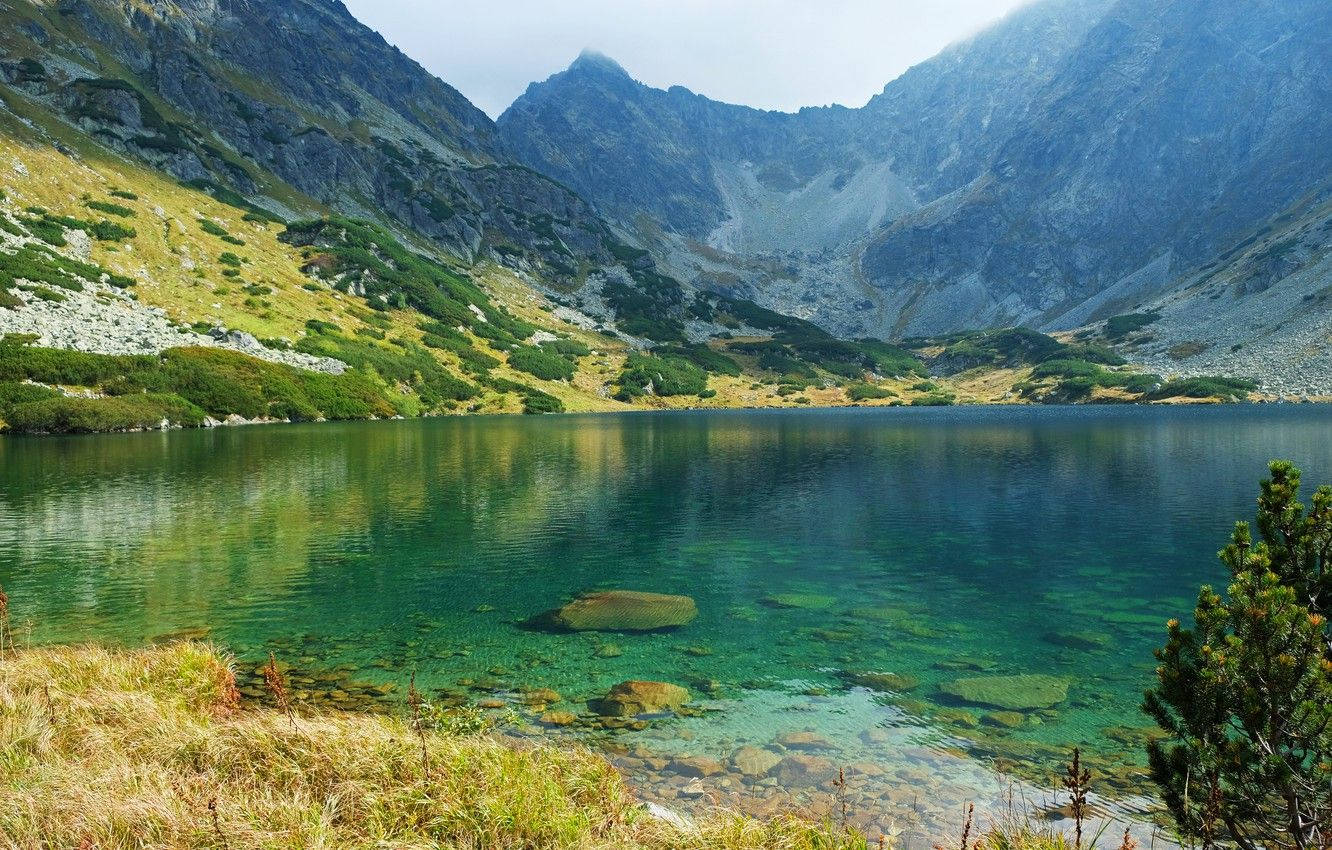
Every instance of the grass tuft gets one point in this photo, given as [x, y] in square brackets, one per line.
[149, 749]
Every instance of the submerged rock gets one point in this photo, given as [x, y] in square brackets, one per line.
[1077, 640]
[801, 769]
[1004, 719]
[628, 699]
[559, 718]
[697, 766]
[1010, 693]
[754, 761]
[805, 741]
[807, 601]
[883, 682]
[624, 611]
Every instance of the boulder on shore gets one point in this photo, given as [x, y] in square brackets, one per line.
[629, 699]
[624, 611]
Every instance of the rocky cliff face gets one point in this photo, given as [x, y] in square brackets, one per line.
[1173, 131]
[266, 98]
[1079, 158]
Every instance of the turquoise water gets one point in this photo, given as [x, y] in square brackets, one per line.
[934, 544]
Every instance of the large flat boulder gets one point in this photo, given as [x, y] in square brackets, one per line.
[629, 699]
[1010, 693]
[625, 611]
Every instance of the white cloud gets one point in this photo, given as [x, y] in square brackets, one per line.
[773, 54]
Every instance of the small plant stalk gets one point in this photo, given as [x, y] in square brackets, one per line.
[277, 686]
[217, 824]
[417, 705]
[1077, 781]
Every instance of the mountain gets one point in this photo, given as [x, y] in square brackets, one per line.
[1077, 160]
[292, 92]
[748, 180]
[220, 210]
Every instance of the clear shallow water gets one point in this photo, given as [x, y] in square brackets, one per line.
[934, 544]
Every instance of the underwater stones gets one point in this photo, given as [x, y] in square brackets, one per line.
[693, 791]
[625, 611]
[805, 741]
[754, 761]
[802, 769]
[1077, 640]
[959, 717]
[558, 718]
[696, 766]
[541, 696]
[1004, 719]
[806, 601]
[881, 613]
[608, 650]
[1009, 693]
[491, 704]
[883, 682]
[628, 699]
[875, 737]
[966, 663]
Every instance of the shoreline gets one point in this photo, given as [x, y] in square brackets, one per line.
[240, 422]
[260, 768]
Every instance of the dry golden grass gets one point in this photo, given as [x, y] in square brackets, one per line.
[104, 748]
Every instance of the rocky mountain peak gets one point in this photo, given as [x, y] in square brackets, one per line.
[594, 62]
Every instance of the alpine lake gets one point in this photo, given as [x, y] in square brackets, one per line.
[941, 603]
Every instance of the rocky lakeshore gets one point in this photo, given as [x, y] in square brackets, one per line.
[900, 765]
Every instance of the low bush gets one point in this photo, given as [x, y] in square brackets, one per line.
[534, 400]
[111, 209]
[705, 358]
[1205, 387]
[13, 393]
[411, 364]
[214, 381]
[109, 231]
[1066, 369]
[542, 364]
[665, 376]
[571, 349]
[39, 264]
[1118, 327]
[90, 415]
[865, 392]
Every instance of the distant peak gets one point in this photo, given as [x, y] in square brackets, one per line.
[591, 60]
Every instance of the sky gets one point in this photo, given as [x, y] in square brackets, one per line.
[771, 54]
